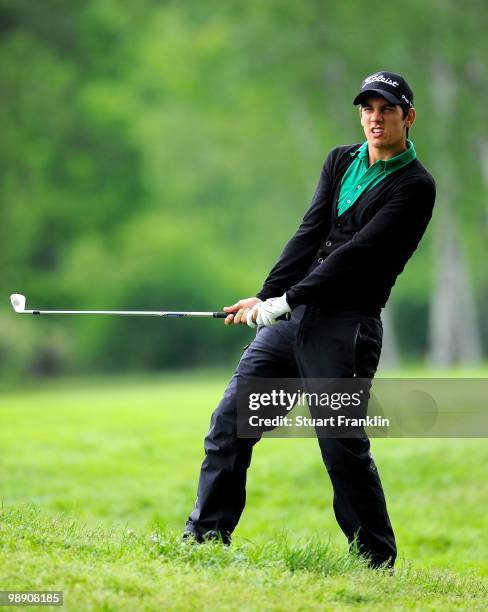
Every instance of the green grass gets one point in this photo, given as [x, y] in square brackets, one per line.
[98, 477]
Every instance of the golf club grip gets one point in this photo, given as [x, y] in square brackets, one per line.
[222, 315]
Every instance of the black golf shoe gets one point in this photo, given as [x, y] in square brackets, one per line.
[193, 537]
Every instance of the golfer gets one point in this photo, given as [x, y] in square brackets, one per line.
[371, 207]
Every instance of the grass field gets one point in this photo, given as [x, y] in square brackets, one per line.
[98, 477]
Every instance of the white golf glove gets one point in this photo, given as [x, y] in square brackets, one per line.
[269, 311]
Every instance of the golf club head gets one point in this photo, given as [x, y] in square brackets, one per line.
[18, 302]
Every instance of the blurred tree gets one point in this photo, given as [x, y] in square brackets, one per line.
[454, 326]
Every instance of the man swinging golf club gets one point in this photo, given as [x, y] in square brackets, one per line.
[371, 207]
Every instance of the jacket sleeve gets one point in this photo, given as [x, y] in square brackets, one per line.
[299, 250]
[382, 246]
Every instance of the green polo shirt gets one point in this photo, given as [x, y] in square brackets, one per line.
[360, 177]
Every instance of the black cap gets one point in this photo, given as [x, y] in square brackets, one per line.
[391, 86]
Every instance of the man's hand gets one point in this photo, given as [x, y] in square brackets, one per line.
[238, 311]
[270, 310]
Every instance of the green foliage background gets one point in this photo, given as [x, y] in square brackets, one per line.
[158, 155]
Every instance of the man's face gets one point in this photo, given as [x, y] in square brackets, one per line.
[383, 122]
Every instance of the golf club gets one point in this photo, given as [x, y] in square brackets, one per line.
[18, 302]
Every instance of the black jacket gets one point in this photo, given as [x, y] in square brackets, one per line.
[351, 262]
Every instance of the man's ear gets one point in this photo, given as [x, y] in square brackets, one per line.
[410, 118]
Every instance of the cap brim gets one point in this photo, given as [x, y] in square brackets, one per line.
[385, 94]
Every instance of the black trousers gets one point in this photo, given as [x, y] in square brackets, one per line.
[314, 344]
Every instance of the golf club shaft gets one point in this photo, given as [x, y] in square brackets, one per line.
[18, 302]
[140, 313]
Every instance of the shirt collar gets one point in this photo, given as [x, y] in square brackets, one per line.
[394, 163]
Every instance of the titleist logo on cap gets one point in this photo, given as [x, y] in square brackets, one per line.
[379, 78]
